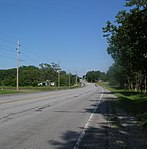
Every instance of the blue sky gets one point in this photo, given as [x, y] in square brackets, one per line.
[68, 31]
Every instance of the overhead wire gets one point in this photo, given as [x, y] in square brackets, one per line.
[6, 48]
[28, 55]
[31, 53]
[29, 58]
[7, 51]
[34, 54]
[6, 45]
[4, 38]
[8, 57]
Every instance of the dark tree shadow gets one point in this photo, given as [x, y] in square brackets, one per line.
[69, 138]
[118, 131]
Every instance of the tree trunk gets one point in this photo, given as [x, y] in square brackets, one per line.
[145, 85]
[128, 83]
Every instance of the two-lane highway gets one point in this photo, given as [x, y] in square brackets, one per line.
[48, 120]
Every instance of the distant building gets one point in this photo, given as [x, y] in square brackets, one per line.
[42, 84]
[46, 83]
[52, 84]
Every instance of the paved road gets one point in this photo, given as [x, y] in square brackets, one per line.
[49, 120]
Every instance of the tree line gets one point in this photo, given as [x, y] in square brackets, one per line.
[127, 45]
[95, 76]
[32, 75]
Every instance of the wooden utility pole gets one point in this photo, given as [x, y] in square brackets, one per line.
[76, 79]
[17, 65]
[58, 71]
[69, 79]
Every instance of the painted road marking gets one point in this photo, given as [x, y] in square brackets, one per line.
[87, 124]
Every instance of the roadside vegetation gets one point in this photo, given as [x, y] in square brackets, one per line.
[131, 101]
[127, 45]
[46, 77]
[31, 89]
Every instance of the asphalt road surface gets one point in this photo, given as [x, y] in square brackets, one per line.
[49, 120]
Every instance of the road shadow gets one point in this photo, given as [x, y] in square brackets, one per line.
[68, 140]
[123, 130]
[110, 128]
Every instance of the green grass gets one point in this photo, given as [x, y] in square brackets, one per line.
[132, 102]
[8, 91]
[30, 89]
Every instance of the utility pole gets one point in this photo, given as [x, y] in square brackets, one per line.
[69, 79]
[76, 78]
[58, 74]
[17, 64]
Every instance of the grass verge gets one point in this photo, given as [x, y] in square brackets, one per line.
[29, 89]
[132, 102]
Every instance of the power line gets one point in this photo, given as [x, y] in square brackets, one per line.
[8, 57]
[4, 38]
[29, 58]
[34, 54]
[6, 48]
[7, 45]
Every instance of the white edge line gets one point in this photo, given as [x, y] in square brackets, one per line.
[87, 124]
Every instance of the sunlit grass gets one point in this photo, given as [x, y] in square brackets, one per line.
[30, 89]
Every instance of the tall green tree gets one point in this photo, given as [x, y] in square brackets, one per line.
[29, 76]
[8, 77]
[48, 72]
[116, 76]
[128, 39]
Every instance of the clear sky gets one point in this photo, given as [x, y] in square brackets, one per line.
[68, 31]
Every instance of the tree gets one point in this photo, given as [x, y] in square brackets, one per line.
[127, 39]
[8, 77]
[48, 72]
[29, 76]
[94, 76]
[116, 76]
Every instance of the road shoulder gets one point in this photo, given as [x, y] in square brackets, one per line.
[113, 128]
